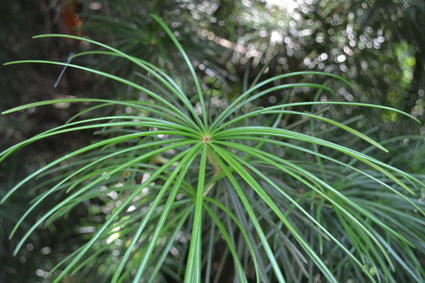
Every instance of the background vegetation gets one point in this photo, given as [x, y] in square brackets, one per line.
[376, 45]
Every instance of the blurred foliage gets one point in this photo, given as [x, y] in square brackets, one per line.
[377, 45]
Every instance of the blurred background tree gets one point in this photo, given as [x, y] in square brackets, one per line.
[377, 45]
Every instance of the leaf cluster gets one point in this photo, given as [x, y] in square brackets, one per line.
[181, 189]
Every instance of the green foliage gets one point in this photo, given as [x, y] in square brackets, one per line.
[182, 189]
[354, 39]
